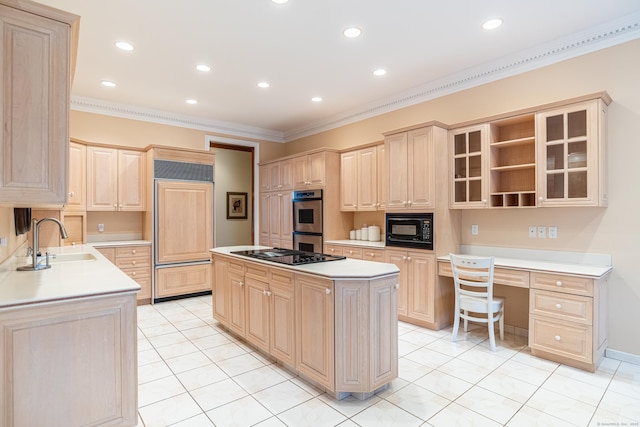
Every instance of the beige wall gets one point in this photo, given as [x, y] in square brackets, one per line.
[613, 230]
[232, 174]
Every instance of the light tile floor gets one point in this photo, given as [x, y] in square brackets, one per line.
[192, 373]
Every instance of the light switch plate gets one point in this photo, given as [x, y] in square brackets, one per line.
[553, 232]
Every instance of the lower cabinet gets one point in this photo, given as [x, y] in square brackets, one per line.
[69, 363]
[135, 260]
[182, 280]
[567, 319]
[339, 334]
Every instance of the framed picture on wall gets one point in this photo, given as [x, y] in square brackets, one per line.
[236, 205]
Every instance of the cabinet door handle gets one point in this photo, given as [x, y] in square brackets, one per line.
[240, 283]
[559, 283]
[558, 306]
[557, 338]
[327, 291]
[397, 286]
[404, 258]
[268, 293]
[409, 258]
[71, 194]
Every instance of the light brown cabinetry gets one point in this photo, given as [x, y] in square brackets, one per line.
[572, 155]
[410, 170]
[135, 261]
[309, 171]
[38, 45]
[276, 219]
[417, 297]
[567, 319]
[115, 179]
[69, 363]
[77, 201]
[359, 180]
[543, 158]
[229, 293]
[276, 176]
[315, 329]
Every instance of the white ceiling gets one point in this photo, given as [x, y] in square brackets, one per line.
[430, 48]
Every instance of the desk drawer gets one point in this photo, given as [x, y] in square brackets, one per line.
[561, 306]
[562, 283]
[566, 339]
[501, 276]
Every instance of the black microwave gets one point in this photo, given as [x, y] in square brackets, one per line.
[410, 230]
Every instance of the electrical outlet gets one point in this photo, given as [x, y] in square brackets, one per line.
[532, 231]
[553, 232]
[474, 229]
[542, 232]
[101, 228]
[3, 241]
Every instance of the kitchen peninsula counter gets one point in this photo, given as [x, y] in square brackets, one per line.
[334, 323]
[71, 327]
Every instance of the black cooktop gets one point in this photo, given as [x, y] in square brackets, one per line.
[288, 256]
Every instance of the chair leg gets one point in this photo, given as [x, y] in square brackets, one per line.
[456, 325]
[492, 338]
[501, 324]
[466, 322]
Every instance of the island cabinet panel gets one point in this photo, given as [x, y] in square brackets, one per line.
[220, 290]
[314, 329]
[236, 303]
[282, 316]
[70, 363]
[257, 308]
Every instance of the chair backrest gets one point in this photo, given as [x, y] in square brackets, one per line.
[473, 275]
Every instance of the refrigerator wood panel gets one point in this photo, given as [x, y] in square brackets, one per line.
[184, 221]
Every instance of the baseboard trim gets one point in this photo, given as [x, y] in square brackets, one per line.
[622, 356]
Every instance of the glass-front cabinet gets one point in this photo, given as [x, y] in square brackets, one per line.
[572, 155]
[468, 172]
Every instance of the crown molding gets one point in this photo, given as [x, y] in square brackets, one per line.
[98, 106]
[599, 37]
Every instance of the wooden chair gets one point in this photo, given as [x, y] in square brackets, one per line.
[473, 281]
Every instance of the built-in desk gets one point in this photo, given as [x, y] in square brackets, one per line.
[568, 297]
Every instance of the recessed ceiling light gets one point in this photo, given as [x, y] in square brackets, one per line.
[380, 72]
[352, 32]
[263, 85]
[124, 45]
[492, 24]
[279, 1]
[192, 101]
[108, 83]
[203, 67]
[316, 99]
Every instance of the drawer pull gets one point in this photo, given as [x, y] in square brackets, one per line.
[559, 283]
[133, 251]
[133, 273]
[371, 255]
[558, 306]
[133, 262]
[557, 337]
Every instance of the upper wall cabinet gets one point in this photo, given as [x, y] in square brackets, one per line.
[309, 171]
[77, 178]
[572, 155]
[409, 170]
[115, 179]
[544, 158]
[359, 180]
[35, 65]
[276, 176]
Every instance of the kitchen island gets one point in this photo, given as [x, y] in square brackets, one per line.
[68, 342]
[333, 323]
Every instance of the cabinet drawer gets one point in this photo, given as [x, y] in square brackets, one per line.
[137, 272]
[236, 266]
[373, 255]
[333, 249]
[133, 251]
[127, 262]
[561, 283]
[281, 278]
[352, 252]
[257, 271]
[561, 306]
[566, 339]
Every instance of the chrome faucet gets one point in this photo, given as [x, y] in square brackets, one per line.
[35, 243]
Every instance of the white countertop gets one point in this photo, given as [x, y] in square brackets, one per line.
[64, 280]
[120, 243]
[346, 269]
[583, 264]
[362, 243]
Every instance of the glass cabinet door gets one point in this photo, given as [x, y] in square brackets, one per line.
[468, 154]
[569, 155]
